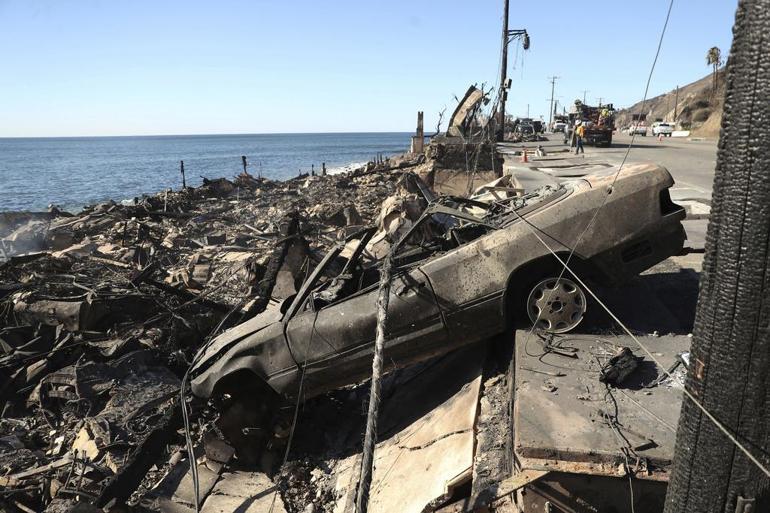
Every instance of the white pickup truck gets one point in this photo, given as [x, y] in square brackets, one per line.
[638, 129]
[662, 129]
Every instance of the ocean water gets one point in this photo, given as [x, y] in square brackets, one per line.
[75, 171]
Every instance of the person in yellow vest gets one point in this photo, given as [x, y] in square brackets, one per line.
[580, 132]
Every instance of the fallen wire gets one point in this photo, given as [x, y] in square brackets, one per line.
[614, 179]
[185, 414]
[689, 395]
[612, 422]
[300, 389]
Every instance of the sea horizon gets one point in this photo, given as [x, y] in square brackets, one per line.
[13, 137]
[71, 172]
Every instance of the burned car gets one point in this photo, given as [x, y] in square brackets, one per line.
[465, 270]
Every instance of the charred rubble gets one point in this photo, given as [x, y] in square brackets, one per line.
[101, 312]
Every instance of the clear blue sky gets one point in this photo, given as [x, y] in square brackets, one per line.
[104, 67]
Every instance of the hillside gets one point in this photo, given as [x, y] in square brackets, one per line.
[697, 108]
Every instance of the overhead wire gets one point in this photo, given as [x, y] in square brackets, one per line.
[565, 267]
[614, 179]
[644, 348]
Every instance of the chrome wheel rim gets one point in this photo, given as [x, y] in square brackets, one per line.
[556, 305]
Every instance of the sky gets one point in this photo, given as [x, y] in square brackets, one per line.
[105, 67]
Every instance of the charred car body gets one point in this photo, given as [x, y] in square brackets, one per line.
[462, 273]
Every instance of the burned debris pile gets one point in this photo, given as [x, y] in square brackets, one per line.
[101, 312]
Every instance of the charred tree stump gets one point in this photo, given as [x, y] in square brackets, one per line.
[730, 358]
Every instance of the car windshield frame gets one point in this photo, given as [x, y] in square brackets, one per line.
[365, 234]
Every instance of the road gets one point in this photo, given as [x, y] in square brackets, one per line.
[691, 163]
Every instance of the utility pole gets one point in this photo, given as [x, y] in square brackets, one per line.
[508, 36]
[553, 85]
[585, 91]
[599, 99]
[676, 104]
[730, 354]
[503, 75]
[528, 110]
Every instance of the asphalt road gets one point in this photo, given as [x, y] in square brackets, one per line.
[691, 163]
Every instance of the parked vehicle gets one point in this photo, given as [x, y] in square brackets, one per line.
[638, 129]
[599, 123]
[662, 129]
[525, 132]
[464, 271]
[559, 123]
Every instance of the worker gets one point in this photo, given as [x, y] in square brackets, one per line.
[580, 132]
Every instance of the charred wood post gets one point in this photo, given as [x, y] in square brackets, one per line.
[289, 228]
[370, 438]
[730, 356]
[243, 161]
[181, 169]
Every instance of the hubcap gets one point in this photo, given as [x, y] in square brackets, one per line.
[556, 306]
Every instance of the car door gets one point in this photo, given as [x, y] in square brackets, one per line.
[335, 342]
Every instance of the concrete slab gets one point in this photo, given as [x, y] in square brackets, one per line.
[560, 406]
[244, 492]
[420, 464]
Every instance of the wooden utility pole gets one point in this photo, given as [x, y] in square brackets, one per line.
[730, 355]
[550, 115]
[676, 105]
[503, 75]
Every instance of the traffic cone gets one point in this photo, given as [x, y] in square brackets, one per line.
[524, 156]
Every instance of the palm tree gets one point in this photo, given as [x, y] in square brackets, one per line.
[714, 58]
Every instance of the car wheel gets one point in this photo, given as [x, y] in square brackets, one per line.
[247, 420]
[556, 305]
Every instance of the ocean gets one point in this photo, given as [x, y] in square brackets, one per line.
[71, 172]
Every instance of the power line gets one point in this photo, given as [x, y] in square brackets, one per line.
[689, 395]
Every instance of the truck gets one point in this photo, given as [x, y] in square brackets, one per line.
[662, 128]
[559, 123]
[599, 124]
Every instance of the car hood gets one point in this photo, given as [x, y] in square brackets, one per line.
[209, 353]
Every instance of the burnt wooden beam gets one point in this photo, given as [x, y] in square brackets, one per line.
[120, 487]
[288, 231]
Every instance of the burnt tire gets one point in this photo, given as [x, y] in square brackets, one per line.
[248, 415]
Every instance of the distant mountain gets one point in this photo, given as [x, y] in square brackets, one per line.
[697, 109]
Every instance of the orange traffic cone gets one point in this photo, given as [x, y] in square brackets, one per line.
[524, 156]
